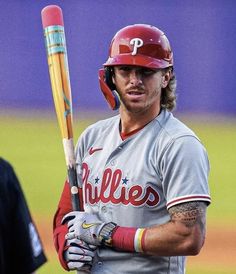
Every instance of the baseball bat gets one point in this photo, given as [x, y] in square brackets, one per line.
[55, 42]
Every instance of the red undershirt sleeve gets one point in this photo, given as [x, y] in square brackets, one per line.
[59, 230]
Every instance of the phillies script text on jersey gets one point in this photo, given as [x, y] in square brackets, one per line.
[113, 189]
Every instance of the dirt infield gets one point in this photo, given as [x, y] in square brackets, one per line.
[219, 249]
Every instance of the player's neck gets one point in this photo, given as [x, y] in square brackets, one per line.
[133, 121]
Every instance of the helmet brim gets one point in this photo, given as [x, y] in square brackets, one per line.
[137, 60]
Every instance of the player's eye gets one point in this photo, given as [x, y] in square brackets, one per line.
[125, 68]
[147, 71]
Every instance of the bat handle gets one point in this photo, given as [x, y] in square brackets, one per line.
[72, 176]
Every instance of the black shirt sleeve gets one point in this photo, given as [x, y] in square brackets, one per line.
[21, 249]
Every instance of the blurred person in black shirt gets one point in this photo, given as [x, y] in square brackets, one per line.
[21, 250]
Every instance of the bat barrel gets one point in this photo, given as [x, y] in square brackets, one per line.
[55, 42]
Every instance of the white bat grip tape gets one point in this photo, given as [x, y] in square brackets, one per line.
[68, 146]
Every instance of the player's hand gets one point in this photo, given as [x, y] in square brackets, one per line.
[78, 255]
[88, 228]
[84, 226]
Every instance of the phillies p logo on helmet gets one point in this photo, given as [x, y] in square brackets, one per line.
[137, 43]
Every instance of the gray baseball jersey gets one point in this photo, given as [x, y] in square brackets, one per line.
[134, 182]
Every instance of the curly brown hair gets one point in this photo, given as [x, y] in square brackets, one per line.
[168, 95]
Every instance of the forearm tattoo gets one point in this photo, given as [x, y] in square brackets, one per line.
[189, 213]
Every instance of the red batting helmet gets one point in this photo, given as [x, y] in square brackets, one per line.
[137, 45]
[140, 45]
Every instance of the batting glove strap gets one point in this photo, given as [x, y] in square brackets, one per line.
[105, 235]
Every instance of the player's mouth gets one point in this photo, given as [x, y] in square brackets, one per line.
[135, 94]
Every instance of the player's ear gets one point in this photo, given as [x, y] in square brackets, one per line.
[113, 80]
[166, 78]
[113, 77]
[109, 77]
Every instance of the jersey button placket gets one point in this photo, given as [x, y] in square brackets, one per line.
[104, 209]
[100, 264]
[112, 163]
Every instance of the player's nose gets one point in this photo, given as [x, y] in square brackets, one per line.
[135, 77]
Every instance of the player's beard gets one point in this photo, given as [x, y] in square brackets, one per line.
[148, 102]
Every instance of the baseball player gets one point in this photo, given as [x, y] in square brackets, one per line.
[21, 250]
[143, 174]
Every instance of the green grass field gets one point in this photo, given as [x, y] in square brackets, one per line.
[33, 146]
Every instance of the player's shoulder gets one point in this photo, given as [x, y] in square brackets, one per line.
[106, 121]
[170, 130]
[173, 134]
[98, 131]
[102, 126]
[172, 127]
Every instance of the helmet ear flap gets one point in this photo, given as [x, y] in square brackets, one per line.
[108, 77]
[108, 88]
